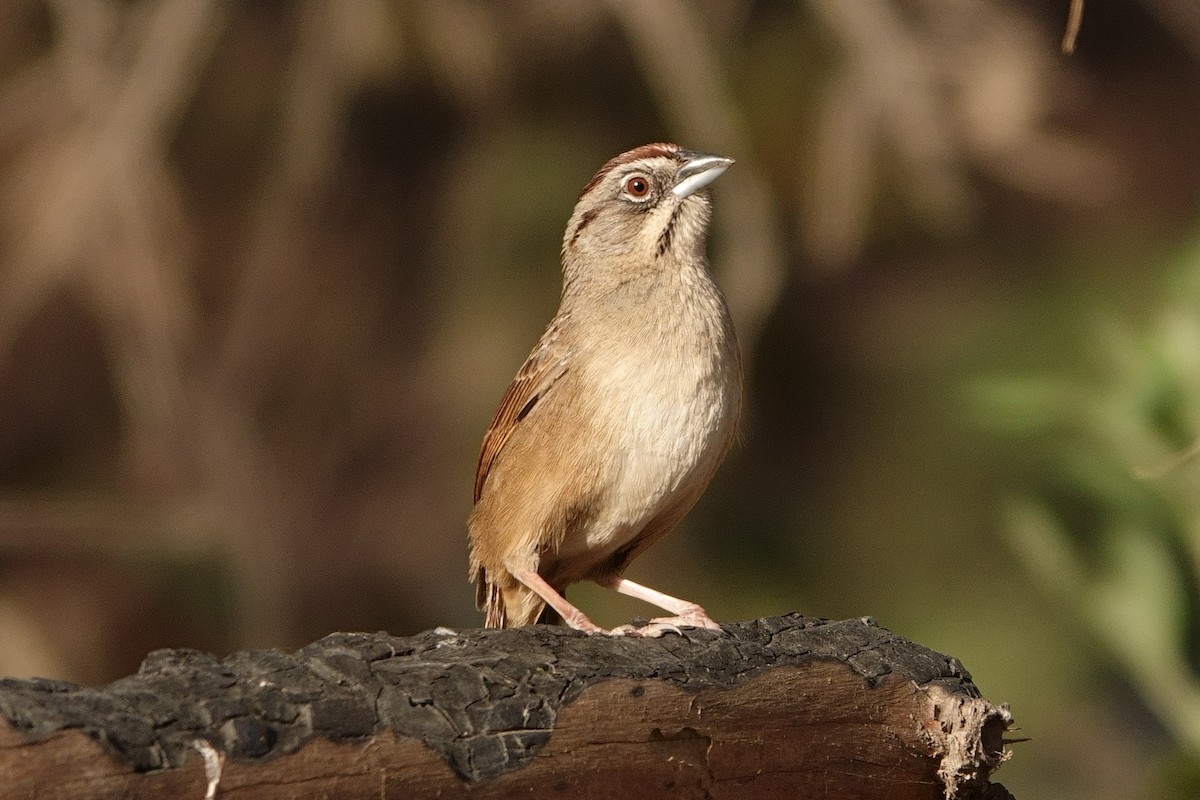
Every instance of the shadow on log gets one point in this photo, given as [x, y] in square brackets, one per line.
[777, 707]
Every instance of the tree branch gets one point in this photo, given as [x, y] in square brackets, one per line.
[782, 706]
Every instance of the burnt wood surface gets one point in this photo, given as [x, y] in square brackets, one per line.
[783, 704]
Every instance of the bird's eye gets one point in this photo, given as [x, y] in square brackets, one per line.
[637, 186]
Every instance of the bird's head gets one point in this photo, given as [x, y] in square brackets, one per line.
[644, 208]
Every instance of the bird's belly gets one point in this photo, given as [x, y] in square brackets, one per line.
[665, 441]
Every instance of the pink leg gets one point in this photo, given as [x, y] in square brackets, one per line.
[570, 614]
[686, 613]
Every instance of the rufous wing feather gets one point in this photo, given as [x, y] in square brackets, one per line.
[546, 364]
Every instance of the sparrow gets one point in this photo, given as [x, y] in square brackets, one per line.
[620, 416]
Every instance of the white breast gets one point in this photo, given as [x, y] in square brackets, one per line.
[677, 417]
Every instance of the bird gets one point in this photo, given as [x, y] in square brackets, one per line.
[620, 416]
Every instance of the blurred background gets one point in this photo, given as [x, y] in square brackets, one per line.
[267, 267]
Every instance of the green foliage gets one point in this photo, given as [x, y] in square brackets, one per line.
[1106, 517]
[1179, 778]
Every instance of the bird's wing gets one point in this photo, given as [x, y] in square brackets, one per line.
[546, 364]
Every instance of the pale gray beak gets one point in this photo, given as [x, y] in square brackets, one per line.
[698, 171]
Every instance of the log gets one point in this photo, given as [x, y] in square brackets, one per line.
[777, 707]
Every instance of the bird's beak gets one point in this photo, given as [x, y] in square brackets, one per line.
[698, 171]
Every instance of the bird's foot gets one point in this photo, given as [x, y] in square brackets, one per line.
[651, 630]
[660, 626]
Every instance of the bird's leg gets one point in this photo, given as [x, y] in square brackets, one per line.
[686, 613]
[569, 613]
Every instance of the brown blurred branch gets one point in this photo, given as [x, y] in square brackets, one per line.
[888, 89]
[955, 86]
[99, 213]
[1074, 20]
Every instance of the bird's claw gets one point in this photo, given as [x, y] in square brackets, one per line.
[653, 629]
[660, 626]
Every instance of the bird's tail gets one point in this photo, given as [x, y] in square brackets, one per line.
[510, 606]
